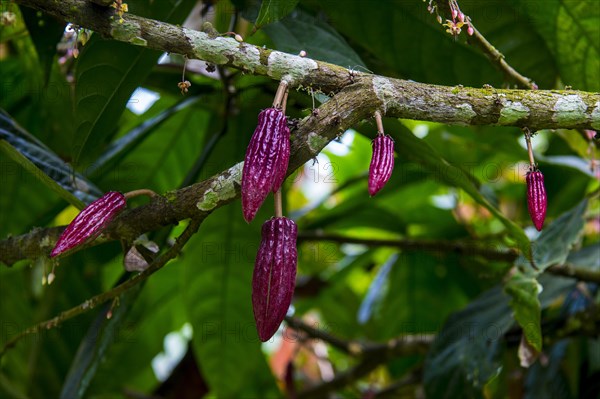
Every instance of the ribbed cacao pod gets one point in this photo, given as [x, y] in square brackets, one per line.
[382, 163]
[274, 277]
[90, 222]
[536, 198]
[266, 160]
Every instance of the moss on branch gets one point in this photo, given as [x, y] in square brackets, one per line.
[536, 109]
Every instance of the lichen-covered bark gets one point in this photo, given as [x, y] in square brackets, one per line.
[536, 109]
[358, 96]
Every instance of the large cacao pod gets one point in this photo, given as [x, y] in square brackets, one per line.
[274, 277]
[382, 163]
[266, 160]
[90, 222]
[536, 198]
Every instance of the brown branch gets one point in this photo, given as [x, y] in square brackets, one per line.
[578, 273]
[91, 303]
[352, 103]
[371, 355]
[460, 248]
[497, 58]
[538, 109]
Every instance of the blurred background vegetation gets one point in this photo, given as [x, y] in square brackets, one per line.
[424, 258]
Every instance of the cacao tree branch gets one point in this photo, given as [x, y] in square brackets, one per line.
[457, 247]
[491, 52]
[371, 355]
[358, 96]
[460, 248]
[540, 109]
[91, 303]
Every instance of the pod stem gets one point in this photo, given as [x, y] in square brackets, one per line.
[281, 90]
[141, 191]
[529, 147]
[379, 122]
[284, 101]
[278, 207]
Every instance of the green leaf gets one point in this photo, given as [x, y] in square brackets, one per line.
[122, 147]
[163, 158]
[30, 167]
[548, 379]
[406, 41]
[272, 11]
[157, 311]
[45, 33]
[524, 291]
[107, 73]
[466, 353]
[571, 30]
[44, 164]
[555, 242]
[301, 31]
[410, 147]
[101, 334]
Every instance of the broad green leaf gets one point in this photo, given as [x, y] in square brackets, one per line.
[163, 158]
[102, 333]
[52, 350]
[45, 33]
[217, 284]
[390, 31]
[555, 242]
[586, 257]
[571, 29]
[131, 140]
[30, 167]
[423, 290]
[466, 354]
[107, 73]
[158, 310]
[377, 289]
[524, 291]
[548, 379]
[273, 10]
[301, 31]
[410, 147]
[44, 164]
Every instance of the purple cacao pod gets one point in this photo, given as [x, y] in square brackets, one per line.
[382, 163]
[274, 277]
[536, 198]
[90, 222]
[266, 156]
[283, 159]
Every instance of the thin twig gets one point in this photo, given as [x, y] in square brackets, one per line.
[464, 249]
[497, 58]
[461, 248]
[108, 295]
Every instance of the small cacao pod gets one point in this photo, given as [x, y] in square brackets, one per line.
[266, 160]
[90, 222]
[382, 163]
[536, 198]
[274, 277]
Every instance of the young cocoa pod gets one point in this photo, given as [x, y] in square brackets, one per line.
[382, 163]
[266, 160]
[536, 198]
[283, 159]
[274, 277]
[90, 222]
